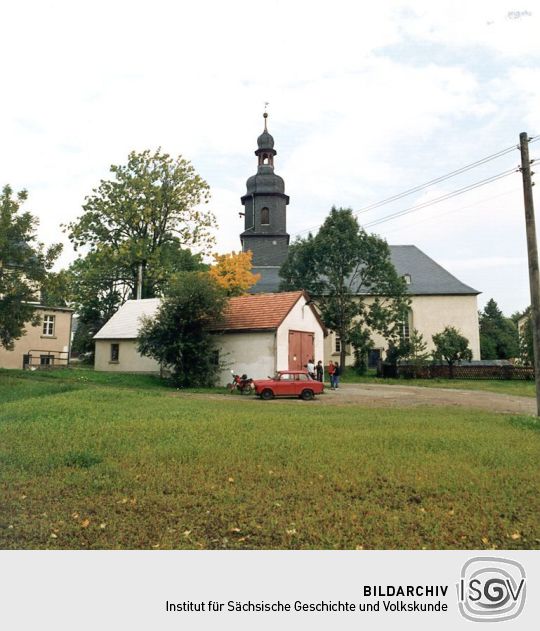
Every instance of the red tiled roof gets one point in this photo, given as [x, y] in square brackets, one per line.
[257, 311]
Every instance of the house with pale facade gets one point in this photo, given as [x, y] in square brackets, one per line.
[258, 335]
[44, 345]
[438, 299]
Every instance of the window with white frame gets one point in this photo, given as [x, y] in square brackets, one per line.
[405, 326]
[337, 348]
[48, 325]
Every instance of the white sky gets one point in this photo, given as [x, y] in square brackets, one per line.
[366, 101]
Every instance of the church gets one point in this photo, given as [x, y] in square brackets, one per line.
[271, 330]
[438, 299]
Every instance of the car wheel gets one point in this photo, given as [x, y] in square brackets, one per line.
[307, 395]
[267, 394]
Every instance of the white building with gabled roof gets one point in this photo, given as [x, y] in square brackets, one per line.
[257, 335]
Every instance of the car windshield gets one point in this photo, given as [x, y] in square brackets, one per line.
[284, 376]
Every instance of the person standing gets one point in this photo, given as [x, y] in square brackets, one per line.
[337, 373]
[331, 369]
[320, 371]
[311, 368]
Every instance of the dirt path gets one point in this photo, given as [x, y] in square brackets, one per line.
[403, 396]
[412, 396]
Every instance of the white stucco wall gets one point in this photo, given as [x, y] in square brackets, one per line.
[249, 353]
[300, 318]
[258, 354]
[430, 315]
[129, 360]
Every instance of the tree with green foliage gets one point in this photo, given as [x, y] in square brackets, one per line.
[24, 266]
[56, 289]
[362, 343]
[340, 267]
[499, 338]
[452, 347]
[415, 349]
[412, 351]
[178, 336]
[101, 282]
[97, 290]
[147, 217]
[526, 344]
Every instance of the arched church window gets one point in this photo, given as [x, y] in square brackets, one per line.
[265, 216]
[405, 326]
[265, 158]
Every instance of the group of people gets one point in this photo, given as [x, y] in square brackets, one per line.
[316, 371]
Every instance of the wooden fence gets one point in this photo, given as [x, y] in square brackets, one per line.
[45, 360]
[436, 371]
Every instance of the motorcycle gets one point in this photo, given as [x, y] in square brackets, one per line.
[242, 383]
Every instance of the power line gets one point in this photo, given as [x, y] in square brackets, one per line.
[442, 178]
[436, 180]
[457, 210]
[442, 198]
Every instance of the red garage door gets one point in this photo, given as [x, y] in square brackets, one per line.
[301, 349]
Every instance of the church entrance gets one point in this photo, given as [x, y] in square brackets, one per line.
[301, 349]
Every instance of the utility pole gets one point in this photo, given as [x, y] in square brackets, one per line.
[532, 248]
[139, 280]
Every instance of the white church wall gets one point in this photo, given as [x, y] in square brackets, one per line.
[429, 315]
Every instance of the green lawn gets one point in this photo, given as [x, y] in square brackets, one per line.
[120, 461]
[515, 387]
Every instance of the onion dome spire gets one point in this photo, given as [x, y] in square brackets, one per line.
[265, 144]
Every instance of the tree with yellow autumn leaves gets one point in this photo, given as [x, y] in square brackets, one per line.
[232, 272]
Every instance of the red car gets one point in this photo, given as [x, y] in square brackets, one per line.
[288, 383]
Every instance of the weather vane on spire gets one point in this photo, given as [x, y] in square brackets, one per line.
[265, 115]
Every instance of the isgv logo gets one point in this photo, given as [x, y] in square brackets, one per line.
[491, 589]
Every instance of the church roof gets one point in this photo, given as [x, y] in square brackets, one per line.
[427, 277]
[265, 181]
[265, 140]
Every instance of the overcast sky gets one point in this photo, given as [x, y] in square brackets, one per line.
[366, 101]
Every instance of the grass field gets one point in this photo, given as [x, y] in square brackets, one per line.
[89, 460]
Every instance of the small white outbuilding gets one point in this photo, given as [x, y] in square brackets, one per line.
[258, 335]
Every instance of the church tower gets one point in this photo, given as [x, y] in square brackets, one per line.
[265, 215]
